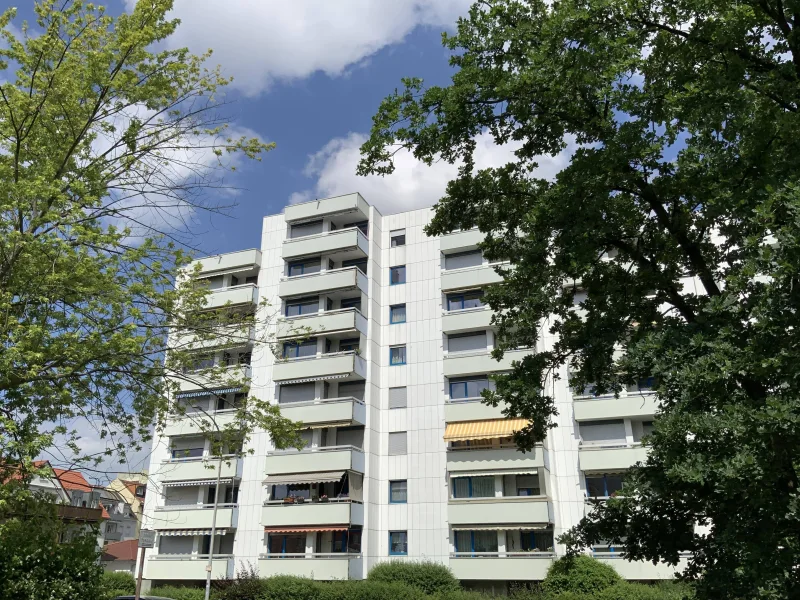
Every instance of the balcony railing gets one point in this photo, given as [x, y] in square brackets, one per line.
[502, 555]
[195, 506]
[186, 557]
[324, 555]
[285, 502]
[313, 450]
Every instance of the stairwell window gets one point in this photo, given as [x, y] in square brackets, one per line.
[397, 275]
[398, 443]
[397, 314]
[398, 492]
[397, 355]
[398, 238]
[398, 543]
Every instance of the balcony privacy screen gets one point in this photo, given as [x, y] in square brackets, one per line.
[353, 389]
[465, 342]
[599, 433]
[305, 229]
[483, 430]
[461, 260]
[299, 392]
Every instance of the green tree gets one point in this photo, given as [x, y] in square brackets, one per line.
[677, 213]
[108, 144]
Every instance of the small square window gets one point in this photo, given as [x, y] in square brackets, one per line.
[398, 238]
[398, 543]
[397, 314]
[398, 492]
[397, 275]
[397, 355]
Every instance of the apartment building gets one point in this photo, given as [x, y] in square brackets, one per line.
[383, 350]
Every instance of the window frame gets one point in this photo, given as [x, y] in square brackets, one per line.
[300, 302]
[392, 271]
[400, 237]
[462, 297]
[469, 479]
[391, 482]
[605, 484]
[405, 355]
[391, 314]
[403, 533]
[465, 382]
[297, 346]
[302, 263]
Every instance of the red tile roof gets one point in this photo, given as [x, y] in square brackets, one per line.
[121, 551]
[105, 512]
[72, 480]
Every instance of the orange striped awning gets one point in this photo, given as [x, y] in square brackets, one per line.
[483, 430]
[306, 529]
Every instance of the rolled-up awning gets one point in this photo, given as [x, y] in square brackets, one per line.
[196, 482]
[323, 477]
[310, 379]
[187, 532]
[306, 529]
[227, 390]
[501, 527]
[483, 430]
[499, 472]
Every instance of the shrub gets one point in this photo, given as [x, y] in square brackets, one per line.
[246, 586]
[430, 577]
[580, 575]
[280, 587]
[179, 593]
[116, 584]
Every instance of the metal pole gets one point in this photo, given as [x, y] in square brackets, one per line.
[210, 564]
[139, 577]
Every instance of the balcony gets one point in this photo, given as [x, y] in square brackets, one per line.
[323, 282]
[197, 423]
[322, 567]
[326, 458]
[234, 376]
[79, 514]
[473, 363]
[232, 296]
[336, 365]
[454, 321]
[345, 243]
[245, 260]
[469, 278]
[112, 536]
[328, 322]
[195, 516]
[508, 510]
[460, 241]
[315, 209]
[336, 511]
[228, 336]
[199, 469]
[640, 570]
[188, 566]
[610, 458]
[495, 459]
[628, 405]
[470, 409]
[508, 566]
[331, 411]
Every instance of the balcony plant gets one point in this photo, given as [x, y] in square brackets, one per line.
[324, 498]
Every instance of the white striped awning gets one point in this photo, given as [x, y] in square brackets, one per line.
[322, 477]
[196, 482]
[190, 532]
[310, 379]
[227, 390]
[487, 473]
[502, 527]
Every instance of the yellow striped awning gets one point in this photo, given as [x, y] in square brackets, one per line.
[483, 430]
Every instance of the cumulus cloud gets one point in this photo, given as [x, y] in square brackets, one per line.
[263, 41]
[413, 184]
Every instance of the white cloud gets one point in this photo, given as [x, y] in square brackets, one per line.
[413, 184]
[261, 41]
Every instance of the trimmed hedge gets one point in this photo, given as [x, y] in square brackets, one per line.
[430, 577]
[179, 593]
[579, 575]
[116, 584]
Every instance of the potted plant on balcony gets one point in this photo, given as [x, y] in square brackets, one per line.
[323, 498]
[299, 500]
[288, 500]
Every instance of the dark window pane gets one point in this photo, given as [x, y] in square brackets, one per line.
[613, 484]
[595, 487]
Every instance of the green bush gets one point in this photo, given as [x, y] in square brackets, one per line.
[179, 593]
[116, 584]
[430, 577]
[580, 575]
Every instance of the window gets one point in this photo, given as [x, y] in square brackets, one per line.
[600, 433]
[352, 302]
[476, 541]
[360, 263]
[200, 362]
[362, 225]
[397, 275]
[536, 541]
[468, 387]
[298, 392]
[187, 452]
[300, 349]
[304, 229]
[352, 389]
[466, 342]
[398, 443]
[645, 384]
[398, 492]
[398, 397]
[398, 543]
[465, 300]
[350, 436]
[140, 491]
[462, 260]
[528, 485]
[303, 306]
[304, 267]
[647, 427]
[397, 314]
[398, 238]
[397, 355]
[349, 345]
[603, 486]
[287, 544]
[473, 487]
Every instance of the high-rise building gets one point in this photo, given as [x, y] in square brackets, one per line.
[383, 348]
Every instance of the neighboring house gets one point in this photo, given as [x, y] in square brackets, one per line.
[132, 487]
[120, 557]
[122, 523]
[85, 506]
